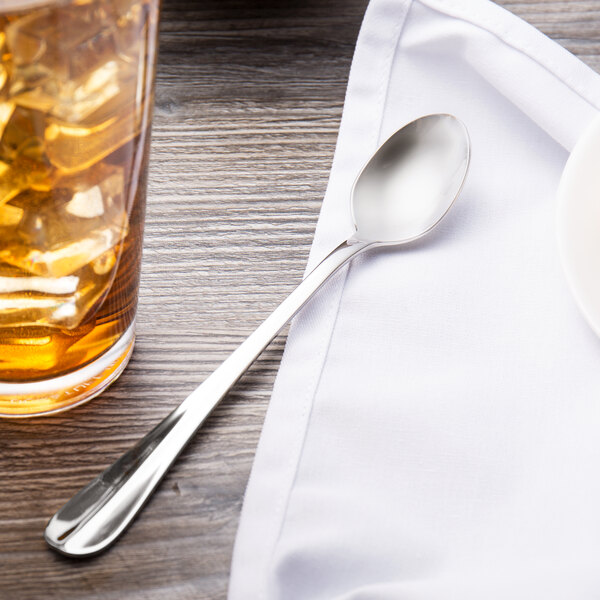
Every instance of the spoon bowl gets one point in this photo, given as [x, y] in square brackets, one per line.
[410, 183]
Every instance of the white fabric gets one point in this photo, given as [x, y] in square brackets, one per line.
[434, 431]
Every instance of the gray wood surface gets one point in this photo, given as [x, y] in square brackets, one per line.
[249, 97]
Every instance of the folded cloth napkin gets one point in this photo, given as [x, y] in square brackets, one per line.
[434, 431]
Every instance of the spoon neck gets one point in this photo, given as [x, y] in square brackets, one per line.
[354, 240]
[339, 257]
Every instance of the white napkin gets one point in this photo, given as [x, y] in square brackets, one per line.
[434, 431]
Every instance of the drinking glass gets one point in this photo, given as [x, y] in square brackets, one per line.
[76, 95]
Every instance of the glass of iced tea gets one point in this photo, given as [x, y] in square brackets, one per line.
[76, 92]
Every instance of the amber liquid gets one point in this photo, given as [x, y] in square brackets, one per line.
[75, 103]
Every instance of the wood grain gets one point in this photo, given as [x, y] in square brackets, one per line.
[249, 97]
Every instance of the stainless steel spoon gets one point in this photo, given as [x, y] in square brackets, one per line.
[401, 194]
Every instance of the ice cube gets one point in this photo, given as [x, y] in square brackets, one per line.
[44, 285]
[73, 147]
[63, 302]
[69, 226]
[25, 310]
[87, 96]
[66, 41]
[74, 99]
[67, 258]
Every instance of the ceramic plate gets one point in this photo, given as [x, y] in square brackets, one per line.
[579, 223]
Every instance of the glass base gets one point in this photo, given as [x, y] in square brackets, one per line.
[62, 393]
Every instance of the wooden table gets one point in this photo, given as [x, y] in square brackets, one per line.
[249, 98]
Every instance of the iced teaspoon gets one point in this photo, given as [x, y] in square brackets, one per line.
[404, 191]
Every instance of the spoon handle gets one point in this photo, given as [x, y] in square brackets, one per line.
[94, 518]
